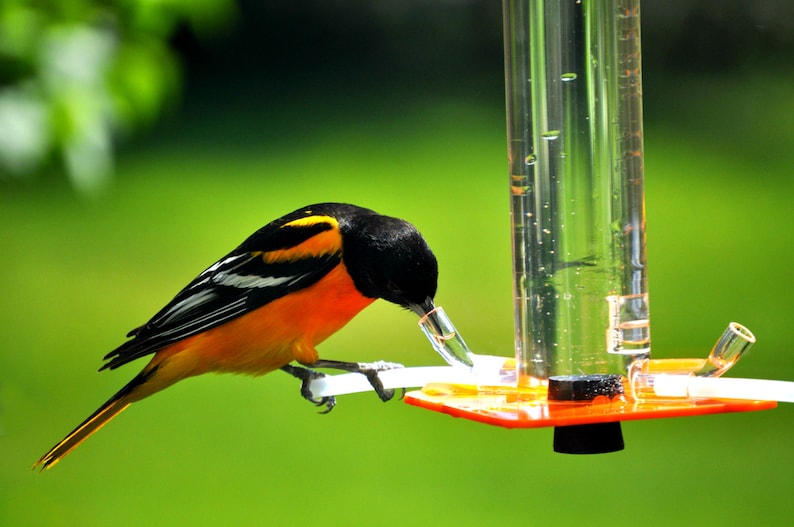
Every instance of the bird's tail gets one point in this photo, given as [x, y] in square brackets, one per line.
[95, 421]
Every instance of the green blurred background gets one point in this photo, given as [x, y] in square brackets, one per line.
[397, 106]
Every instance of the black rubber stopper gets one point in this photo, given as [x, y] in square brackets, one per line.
[597, 438]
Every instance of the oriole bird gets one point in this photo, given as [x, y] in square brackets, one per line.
[270, 301]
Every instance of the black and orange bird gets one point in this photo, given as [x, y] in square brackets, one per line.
[270, 301]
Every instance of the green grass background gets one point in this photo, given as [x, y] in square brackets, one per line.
[225, 450]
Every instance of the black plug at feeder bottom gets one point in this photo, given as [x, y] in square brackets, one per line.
[597, 438]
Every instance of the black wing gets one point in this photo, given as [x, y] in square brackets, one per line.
[235, 285]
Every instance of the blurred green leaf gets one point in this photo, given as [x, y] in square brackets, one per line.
[76, 73]
[24, 128]
[144, 76]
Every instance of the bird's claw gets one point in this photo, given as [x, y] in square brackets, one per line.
[307, 376]
[329, 401]
[371, 369]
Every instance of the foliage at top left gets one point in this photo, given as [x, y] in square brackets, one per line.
[76, 74]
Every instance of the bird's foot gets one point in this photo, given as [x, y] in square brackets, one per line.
[307, 376]
[371, 370]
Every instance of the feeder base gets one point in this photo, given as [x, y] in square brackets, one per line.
[530, 408]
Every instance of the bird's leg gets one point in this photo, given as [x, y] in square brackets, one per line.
[307, 376]
[369, 369]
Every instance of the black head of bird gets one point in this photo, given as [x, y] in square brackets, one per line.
[388, 258]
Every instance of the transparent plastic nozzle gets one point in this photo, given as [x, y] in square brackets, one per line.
[730, 347]
[673, 378]
[446, 340]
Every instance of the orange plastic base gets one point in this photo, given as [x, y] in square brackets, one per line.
[529, 408]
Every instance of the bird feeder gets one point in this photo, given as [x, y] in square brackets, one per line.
[573, 84]
[582, 361]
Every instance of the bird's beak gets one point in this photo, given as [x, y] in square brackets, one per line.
[424, 308]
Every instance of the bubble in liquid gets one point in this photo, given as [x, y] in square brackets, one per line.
[550, 135]
[568, 77]
[530, 159]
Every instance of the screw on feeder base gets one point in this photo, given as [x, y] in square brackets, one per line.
[599, 438]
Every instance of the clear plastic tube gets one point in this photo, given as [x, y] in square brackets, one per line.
[575, 149]
[723, 388]
[488, 370]
[331, 385]
[445, 338]
[734, 342]
[667, 378]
